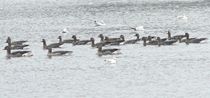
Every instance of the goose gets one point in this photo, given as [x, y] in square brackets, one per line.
[15, 47]
[101, 23]
[66, 41]
[53, 45]
[106, 51]
[58, 53]
[18, 53]
[133, 41]
[80, 42]
[93, 44]
[193, 40]
[15, 42]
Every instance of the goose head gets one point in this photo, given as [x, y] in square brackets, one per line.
[44, 43]
[106, 38]
[137, 35]
[169, 34]
[8, 40]
[187, 35]
[60, 39]
[74, 37]
[101, 36]
[122, 37]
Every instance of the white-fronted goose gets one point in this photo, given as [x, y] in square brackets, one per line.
[58, 53]
[53, 45]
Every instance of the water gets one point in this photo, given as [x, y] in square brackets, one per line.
[139, 72]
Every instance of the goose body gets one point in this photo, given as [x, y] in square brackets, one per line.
[193, 40]
[18, 42]
[100, 44]
[176, 37]
[15, 42]
[151, 42]
[16, 47]
[196, 40]
[53, 45]
[106, 51]
[133, 41]
[167, 42]
[115, 41]
[18, 53]
[107, 39]
[79, 42]
[58, 53]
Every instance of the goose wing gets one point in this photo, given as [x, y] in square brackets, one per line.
[19, 53]
[197, 40]
[110, 50]
[54, 45]
[62, 52]
[130, 41]
[19, 42]
[83, 42]
[169, 42]
[68, 41]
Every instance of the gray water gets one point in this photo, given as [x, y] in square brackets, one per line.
[180, 70]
